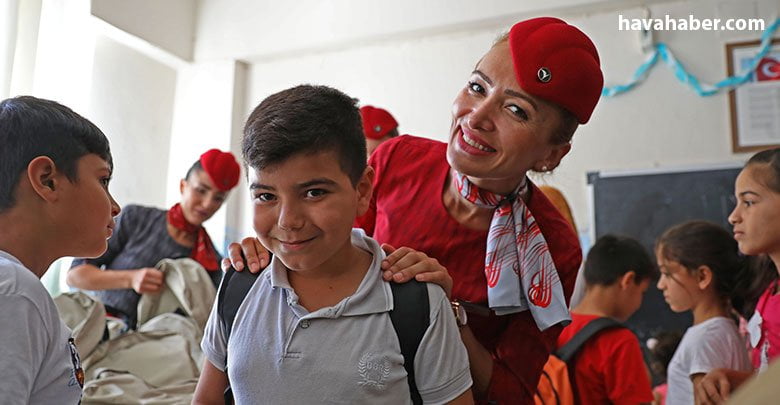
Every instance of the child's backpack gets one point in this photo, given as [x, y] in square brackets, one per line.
[409, 317]
[555, 384]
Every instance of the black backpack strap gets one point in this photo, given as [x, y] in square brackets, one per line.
[566, 352]
[234, 288]
[410, 318]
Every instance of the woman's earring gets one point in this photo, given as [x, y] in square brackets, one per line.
[544, 168]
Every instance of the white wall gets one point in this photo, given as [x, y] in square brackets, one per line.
[208, 114]
[660, 124]
[168, 24]
[246, 29]
[26, 47]
[126, 93]
[9, 13]
[64, 54]
[132, 102]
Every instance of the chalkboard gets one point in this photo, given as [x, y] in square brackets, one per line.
[643, 205]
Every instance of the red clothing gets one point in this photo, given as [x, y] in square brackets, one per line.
[407, 210]
[769, 308]
[609, 368]
[201, 251]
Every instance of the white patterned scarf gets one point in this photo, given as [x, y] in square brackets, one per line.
[520, 272]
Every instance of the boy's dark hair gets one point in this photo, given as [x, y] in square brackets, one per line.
[32, 127]
[613, 256]
[306, 119]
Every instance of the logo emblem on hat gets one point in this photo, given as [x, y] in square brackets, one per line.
[544, 75]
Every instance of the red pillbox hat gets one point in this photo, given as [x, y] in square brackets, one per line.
[557, 62]
[376, 122]
[221, 167]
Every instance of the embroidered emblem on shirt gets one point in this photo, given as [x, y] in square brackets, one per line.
[373, 370]
[78, 372]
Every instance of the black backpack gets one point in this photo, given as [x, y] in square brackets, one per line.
[409, 317]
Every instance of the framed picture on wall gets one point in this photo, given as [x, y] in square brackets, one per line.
[755, 106]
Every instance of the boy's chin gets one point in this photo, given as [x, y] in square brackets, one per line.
[94, 252]
[297, 264]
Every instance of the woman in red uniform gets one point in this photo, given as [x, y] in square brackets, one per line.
[508, 253]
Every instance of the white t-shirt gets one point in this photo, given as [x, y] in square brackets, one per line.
[38, 361]
[714, 343]
[349, 353]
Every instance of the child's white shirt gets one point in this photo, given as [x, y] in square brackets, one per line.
[714, 343]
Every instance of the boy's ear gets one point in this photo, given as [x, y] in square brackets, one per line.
[704, 276]
[365, 188]
[44, 178]
[182, 183]
[628, 279]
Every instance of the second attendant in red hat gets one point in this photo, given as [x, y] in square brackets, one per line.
[379, 126]
[145, 235]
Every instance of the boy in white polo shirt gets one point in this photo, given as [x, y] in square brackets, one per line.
[315, 326]
[54, 201]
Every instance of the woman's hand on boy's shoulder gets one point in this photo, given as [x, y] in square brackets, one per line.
[249, 252]
[403, 264]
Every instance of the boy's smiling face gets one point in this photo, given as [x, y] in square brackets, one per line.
[304, 208]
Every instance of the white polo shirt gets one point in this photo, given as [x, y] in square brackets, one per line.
[349, 353]
[38, 360]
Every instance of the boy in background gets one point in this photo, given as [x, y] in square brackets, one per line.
[610, 368]
[55, 167]
[315, 326]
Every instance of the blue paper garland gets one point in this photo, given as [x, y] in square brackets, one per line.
[661, 51]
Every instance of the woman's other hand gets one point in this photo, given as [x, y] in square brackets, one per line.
[250, 252]
[403, 264]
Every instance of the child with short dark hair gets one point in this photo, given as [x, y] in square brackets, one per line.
[609, 368]
[55, 167]
[315, 325]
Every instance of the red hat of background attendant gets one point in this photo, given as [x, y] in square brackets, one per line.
[221, 167]
[376, 122]
[555, 61]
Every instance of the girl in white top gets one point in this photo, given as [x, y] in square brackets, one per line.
[700, 263]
